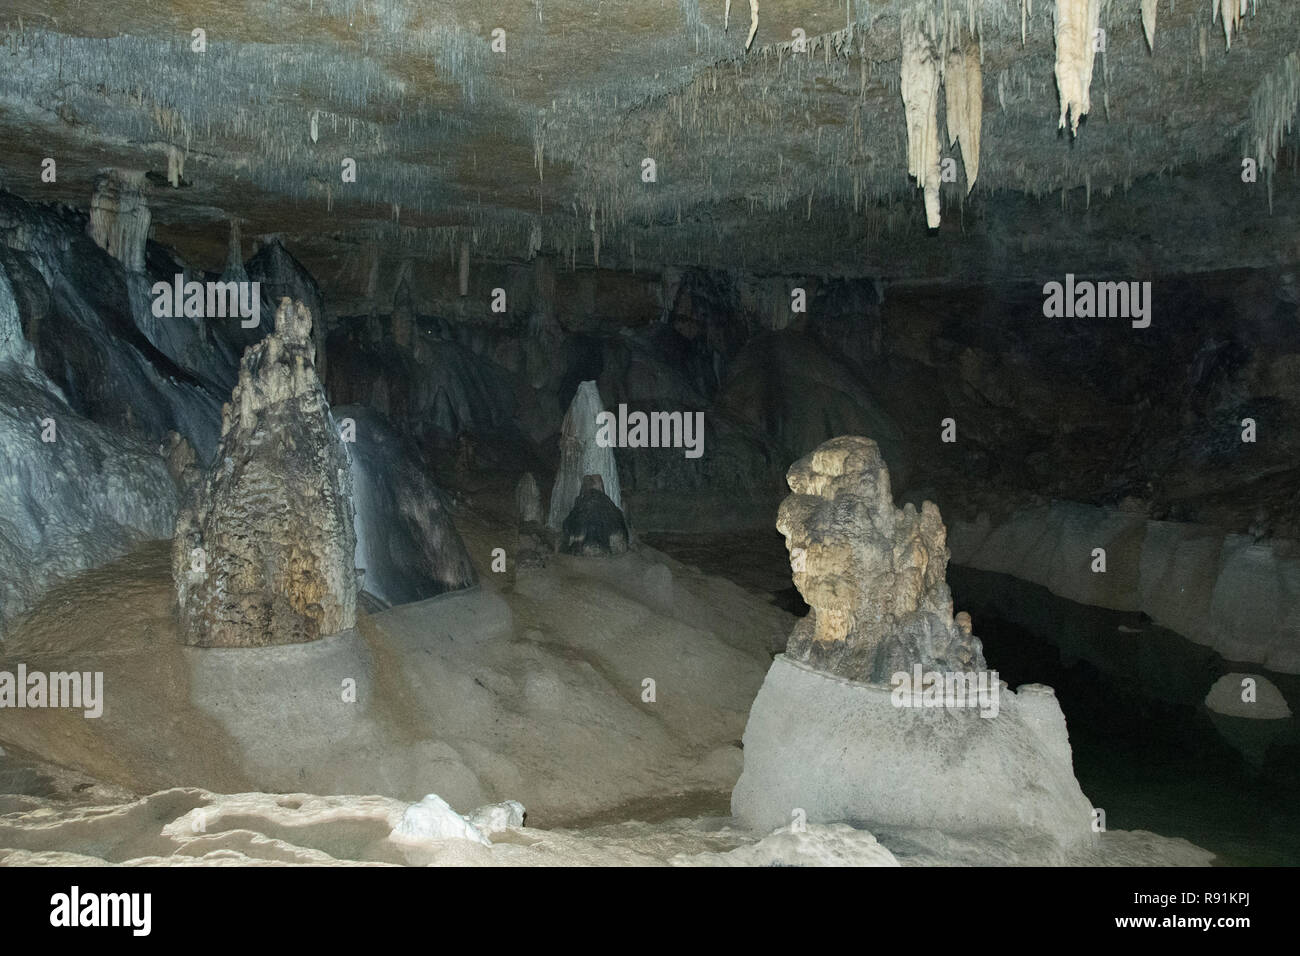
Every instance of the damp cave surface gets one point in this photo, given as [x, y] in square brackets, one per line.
[488, 433]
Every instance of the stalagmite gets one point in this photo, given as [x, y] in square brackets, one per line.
[1076, 24]
[964, 89]
[1149, 22]
[175, 166]
[582, 455]
[263, 552]
[920, 90]
[119, 217]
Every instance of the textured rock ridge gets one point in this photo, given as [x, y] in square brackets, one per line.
[872, 574]
[263, 551]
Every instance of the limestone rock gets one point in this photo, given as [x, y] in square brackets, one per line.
[595, 525]
[407, 543]
[841, 752]
[182, 464]
[273, 517]
[497, 817]
[872, 574]
[580, 455]
[119, 217]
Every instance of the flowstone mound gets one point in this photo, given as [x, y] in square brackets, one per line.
[872, 574]
[595, 526]
[843, 752]
[263, 551]
[882, 712]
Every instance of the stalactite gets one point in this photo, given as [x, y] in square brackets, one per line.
[1077, 22]
[1149, 22]
[1273, 109]
[119, 217]
[919, 83]
[964, 89]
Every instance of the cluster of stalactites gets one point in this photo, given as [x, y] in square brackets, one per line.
[924, 70]
[920, 89]
[1231, 12]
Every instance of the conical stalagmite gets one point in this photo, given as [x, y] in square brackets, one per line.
[263, 552]
[581, 455]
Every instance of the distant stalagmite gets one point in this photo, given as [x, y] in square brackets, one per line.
[119, 216]
[536, 540]
[872, 574]
[263, 551]
[581, 454]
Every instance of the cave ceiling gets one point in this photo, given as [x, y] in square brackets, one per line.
[789, 155]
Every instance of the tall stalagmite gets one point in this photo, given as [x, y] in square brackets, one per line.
[872, 574]
[581, 455]
[263, 551]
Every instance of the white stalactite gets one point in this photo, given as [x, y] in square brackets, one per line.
[1149, 22]
[919, 83]
[1077, 22]
[964, 88]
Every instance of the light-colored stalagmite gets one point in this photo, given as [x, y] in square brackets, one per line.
[920, 89]
[263, 551]
[964, 89]
[1077, 22]
[581, 455]
[841, 728]
[119, 216]
[175, 166]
